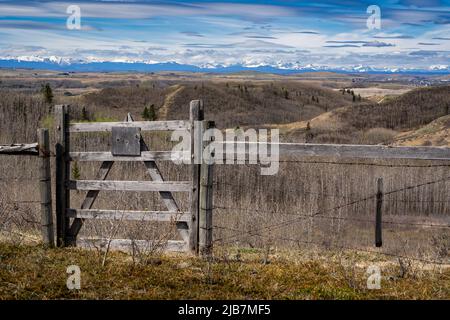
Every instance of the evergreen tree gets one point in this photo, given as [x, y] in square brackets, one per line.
[308, 133]
[149, 114]
[47, 93]
[152, 113]
[146, 113]
[76, 174]
[84, 114]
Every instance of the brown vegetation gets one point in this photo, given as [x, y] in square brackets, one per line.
[246, 202]
[30, 272]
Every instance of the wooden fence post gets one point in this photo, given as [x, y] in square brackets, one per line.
[206, 204]
[378, 223]
[196, 117]
[62, 173]
[45, 188]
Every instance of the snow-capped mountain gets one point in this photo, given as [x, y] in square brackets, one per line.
[126, 64]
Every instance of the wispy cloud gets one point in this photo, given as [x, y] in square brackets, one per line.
[347, 41]
[261, 37]
[401, 36]
[239, 31]
[142, 10]
[378, 44]
[342, 46]
[307, 32]
[192, 34]
[38, 25]
[375, 43]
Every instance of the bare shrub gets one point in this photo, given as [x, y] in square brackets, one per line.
[378, 135]
[441, 246]
[148, 242]
[406, 267]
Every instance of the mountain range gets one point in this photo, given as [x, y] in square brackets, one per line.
[72, 65]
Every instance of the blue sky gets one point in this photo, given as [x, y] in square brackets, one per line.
[285, 34]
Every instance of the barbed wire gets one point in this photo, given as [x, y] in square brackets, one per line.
[353, 196]
[416, 201]
[416, 186]
[336, 246]
[217, 183]
[338, 218]
[281, 224]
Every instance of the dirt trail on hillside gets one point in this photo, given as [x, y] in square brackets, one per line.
[164, 110]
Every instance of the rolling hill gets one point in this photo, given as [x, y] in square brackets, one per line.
[370, 123]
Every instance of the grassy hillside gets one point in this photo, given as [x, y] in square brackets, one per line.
[372, 123]
[249, 104]
[435, 133]
[30, 272]
[228, 103]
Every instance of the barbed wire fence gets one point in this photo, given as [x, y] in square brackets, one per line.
[25, 197]
[285, 225]
[19, 209]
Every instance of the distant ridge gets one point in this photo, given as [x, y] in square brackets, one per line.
[79, 66]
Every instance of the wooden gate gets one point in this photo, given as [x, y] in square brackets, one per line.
[70, 220]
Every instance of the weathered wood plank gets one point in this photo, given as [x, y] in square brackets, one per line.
[358, 151]
[155, 175]
[378, 216]
[45, 188]
[126, 141]
[62, 173]
[109, 185]
[145, 156]
[20, 149]
[206, 206]
[127, 244]
[91, 195]
[90, 198]
[196, 115]
[144, 125]
[163, 216]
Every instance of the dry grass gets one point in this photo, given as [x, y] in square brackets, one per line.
[352, 124]
[436, 133]
[31, 272]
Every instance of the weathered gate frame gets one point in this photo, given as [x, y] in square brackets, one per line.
[187, 222]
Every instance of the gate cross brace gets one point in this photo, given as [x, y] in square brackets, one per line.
[155, 174]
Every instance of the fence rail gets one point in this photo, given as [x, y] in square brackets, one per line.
[195, 225]
[144, 125]
[42, 150]
[20, 149]
[341, 151]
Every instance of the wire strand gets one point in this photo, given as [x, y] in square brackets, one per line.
[281, 224]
